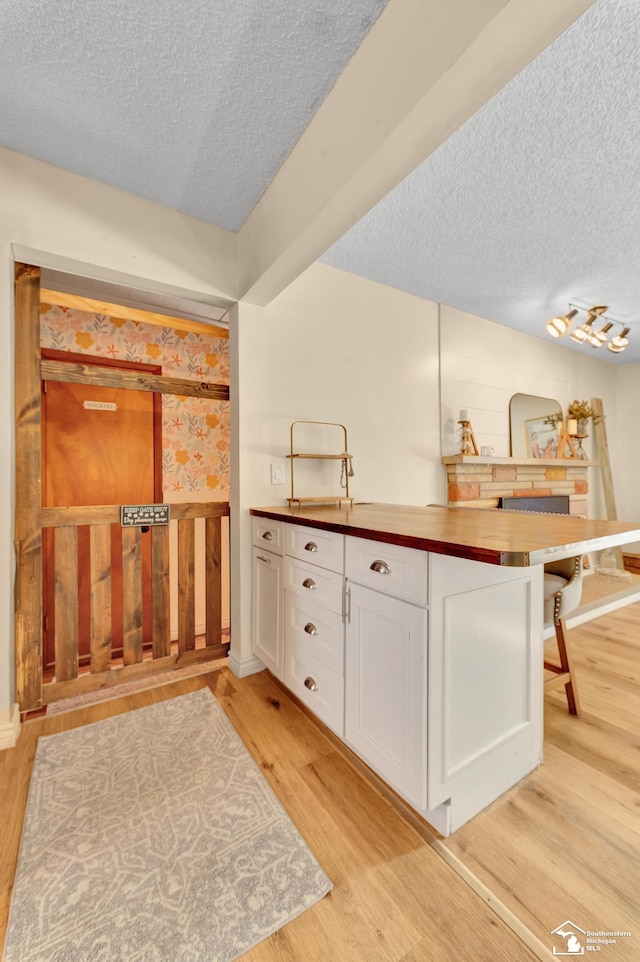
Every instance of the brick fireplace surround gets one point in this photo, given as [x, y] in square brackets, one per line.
[474, 481]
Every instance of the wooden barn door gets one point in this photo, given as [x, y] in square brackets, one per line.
[100, 445]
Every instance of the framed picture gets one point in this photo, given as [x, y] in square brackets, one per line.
[541, 438]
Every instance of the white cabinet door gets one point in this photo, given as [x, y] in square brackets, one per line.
[485, 681]
[385, 683]
[267, 609]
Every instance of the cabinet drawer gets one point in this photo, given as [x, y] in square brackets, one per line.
[391, 568]
[324, 548]
[314, 630]
[268, 534]
[319, 688]
[315, 584]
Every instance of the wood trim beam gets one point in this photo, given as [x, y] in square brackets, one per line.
[94, 306]
[423, 69]
[110, 513]
[195, 509]
[84, 683]
[94, 375]
[28, 543]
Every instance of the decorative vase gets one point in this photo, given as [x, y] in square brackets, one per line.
[582, 426]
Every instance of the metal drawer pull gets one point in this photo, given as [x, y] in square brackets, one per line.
[310, 629]
[381, 567]
[310, 684]
[262, 558]
[311, 546]
[267, 536]
[309, 583]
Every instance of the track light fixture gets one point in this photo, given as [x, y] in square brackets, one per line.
[558, 326]
[618, 344]
[584, 334]
[598, 338]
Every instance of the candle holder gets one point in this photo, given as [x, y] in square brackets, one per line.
[467, 440]
[566, 439]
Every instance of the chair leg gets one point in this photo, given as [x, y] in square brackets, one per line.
[564, 672]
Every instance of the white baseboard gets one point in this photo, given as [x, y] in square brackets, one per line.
[10, 727]
[241, 667]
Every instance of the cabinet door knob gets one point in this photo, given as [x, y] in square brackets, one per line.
[261, 557]
[310, 629]
[267, 536]
[311, 546]
[381, 567]
[310, 684]
[309, 583]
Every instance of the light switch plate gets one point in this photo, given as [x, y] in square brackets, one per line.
[277, 472]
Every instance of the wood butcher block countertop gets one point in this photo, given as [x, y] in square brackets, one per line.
[496, 537]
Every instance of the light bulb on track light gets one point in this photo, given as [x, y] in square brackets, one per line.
[619, 343]
[558, 326]
[598, 338]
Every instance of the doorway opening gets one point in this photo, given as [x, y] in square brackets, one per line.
[87, 587]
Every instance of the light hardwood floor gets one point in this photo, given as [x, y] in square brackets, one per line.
[563, 844]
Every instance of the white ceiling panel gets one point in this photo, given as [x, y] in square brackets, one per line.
[192, 105]
[535, 201]
[531, 205]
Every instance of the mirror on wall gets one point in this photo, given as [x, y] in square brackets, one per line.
[531, 434]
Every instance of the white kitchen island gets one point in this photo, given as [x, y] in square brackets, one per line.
[416, 636]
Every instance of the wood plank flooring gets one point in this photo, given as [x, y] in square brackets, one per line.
[563, 844]
[394, 897]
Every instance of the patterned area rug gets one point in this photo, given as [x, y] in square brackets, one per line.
[153, 836]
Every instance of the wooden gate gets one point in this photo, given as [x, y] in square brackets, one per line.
[31, 517]
[135, 661]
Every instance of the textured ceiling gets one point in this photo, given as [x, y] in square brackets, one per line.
[532, 204]
[535, 201]
[192, 105]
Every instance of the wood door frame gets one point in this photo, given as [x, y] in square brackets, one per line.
[28, 498]
[30, 369]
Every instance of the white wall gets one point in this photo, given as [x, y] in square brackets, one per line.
[57, 219]
[484, 364]
[626, 478]
[333, 347]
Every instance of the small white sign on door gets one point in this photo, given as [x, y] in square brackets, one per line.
[100, 406]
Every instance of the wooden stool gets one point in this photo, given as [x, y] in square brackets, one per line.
[562, 593]
[563, 672]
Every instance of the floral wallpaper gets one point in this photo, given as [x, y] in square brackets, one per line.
[195, 431]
